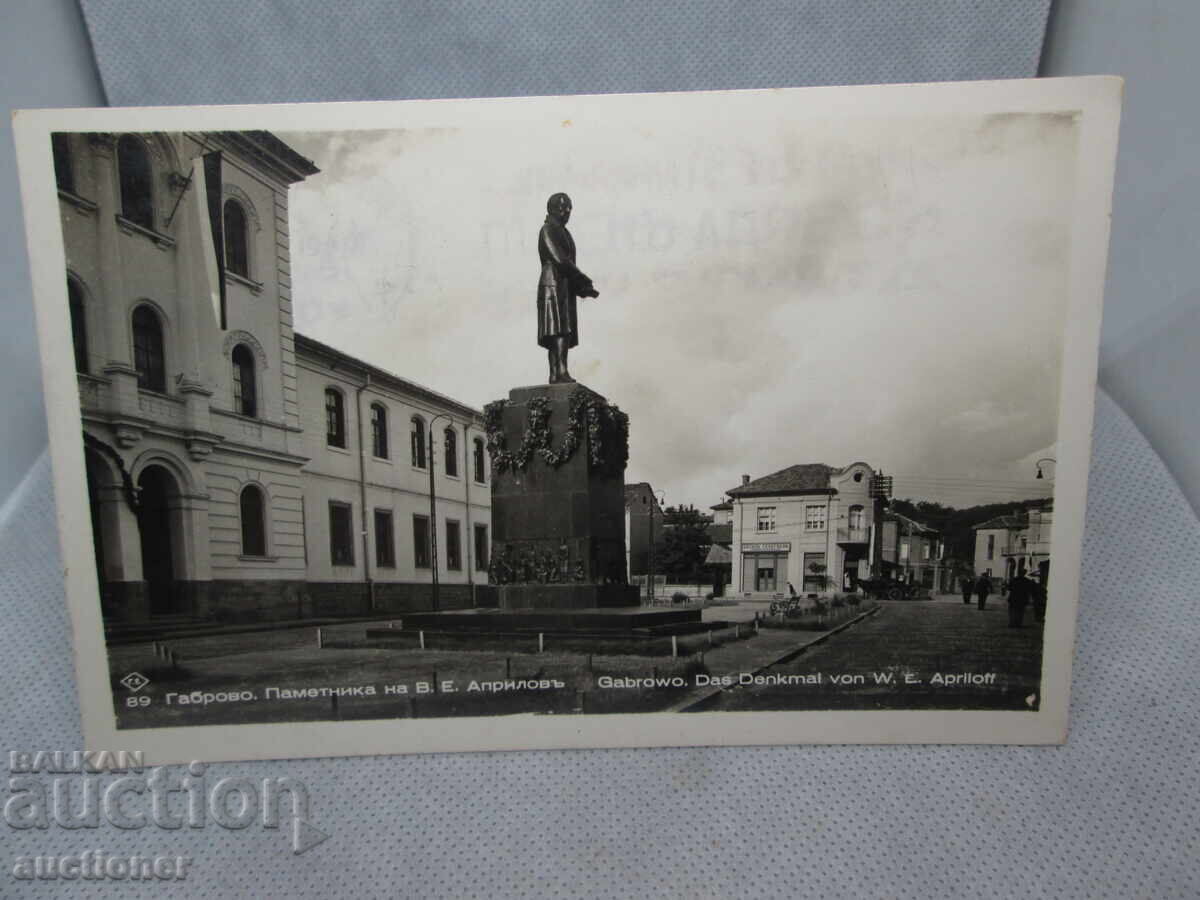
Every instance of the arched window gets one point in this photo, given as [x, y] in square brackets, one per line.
[856, 517]
[245, 398]
[133, 165]
[64, 168]
[78, 325]
[418, 442]
[379, 432]
[148, 356]
[450, 442]
[237, 257]
[254, 531]
[335, 418]
[480, 461]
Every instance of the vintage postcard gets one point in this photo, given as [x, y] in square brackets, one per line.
[601, 421]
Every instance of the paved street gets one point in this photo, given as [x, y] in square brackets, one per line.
[940, 654]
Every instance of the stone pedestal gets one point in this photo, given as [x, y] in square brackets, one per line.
[558, 499]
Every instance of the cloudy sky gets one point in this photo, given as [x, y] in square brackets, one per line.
[883, 290]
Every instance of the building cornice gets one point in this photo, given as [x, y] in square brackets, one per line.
[335, 360]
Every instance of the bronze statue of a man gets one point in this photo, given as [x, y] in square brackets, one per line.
[560, 284]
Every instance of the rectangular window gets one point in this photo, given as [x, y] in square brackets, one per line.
[903, 550]
[482, 547]
[925, 550]
[766, 518]
[453, 546]
[991, 550]
[341, 533]
[815, 576]
[385, 540]
[421, 541]
[814, 518]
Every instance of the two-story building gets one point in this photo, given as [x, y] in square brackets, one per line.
[912, 552]
[1018, 543]
[809, 526]
[236, 469]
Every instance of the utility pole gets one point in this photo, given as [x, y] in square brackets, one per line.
[880, 489]
[433, 554]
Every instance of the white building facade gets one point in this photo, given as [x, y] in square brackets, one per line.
[215, 491]
[809, 526]
[1016, 544]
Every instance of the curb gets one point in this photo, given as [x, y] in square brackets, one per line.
[697, 701]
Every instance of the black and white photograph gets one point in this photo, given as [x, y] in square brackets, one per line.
[599, 421]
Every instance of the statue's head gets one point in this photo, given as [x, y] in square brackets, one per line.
[559, 206]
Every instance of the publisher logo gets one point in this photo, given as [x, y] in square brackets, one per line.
[135, 681]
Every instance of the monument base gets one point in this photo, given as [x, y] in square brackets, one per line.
[566, 596]
[616, 631]
[556, 621]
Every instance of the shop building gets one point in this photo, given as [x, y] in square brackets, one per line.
[809, 526]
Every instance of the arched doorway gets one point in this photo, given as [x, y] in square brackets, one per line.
[158, 505]
[98, 479]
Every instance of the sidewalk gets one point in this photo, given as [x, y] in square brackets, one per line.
[770, 647]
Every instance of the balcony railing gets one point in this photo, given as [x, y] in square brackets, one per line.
[853, 535]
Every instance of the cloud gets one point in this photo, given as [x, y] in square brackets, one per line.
[885, 290]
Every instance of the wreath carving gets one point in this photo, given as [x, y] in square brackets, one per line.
[590, 419]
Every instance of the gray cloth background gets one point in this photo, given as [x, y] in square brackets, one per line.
[258, 51]
[1109, 814]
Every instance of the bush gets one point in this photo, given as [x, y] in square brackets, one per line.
[679, 597]
[838, 601]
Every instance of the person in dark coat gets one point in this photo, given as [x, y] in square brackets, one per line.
[968, 588]
[983, 587]
[558, 286]
[1037, 591]
[1020, 590]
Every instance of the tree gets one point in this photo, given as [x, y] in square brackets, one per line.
[680, 551]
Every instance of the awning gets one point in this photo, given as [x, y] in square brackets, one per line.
[719, 555]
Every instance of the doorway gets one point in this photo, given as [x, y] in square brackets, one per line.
[157, 493]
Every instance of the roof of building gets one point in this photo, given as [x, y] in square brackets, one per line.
[634, 494]
[268, 150]
[806, 478]
[382, 376]
[719, 555]
[721, 534]
[725, 504]
[1012, 521]
[912, 524]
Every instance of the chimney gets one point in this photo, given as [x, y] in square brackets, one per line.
[745, 480]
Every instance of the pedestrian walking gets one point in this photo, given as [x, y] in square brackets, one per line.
[968, 588]
[1019, 592]
[983, 587]
[1037, 590]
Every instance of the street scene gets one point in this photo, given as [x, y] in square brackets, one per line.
[939, 653]
[293, 520]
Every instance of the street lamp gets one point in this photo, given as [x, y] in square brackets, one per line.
[433, 556]
[1044, 459]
